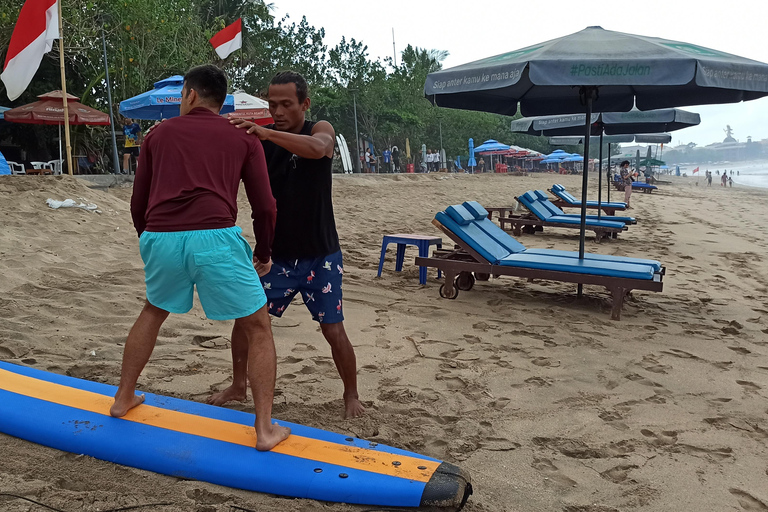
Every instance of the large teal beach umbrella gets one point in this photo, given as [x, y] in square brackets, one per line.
[598, 70]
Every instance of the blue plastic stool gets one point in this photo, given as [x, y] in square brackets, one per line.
[421, 241]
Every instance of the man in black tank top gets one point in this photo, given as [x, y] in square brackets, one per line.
[306, 257]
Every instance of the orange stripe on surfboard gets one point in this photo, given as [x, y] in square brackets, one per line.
[297, 446]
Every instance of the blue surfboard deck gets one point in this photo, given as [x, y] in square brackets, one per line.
[214, 444]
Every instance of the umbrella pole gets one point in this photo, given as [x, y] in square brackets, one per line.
[600, 178]
[60, 157]
[608, 176]
[64, 91]
[115, 157]
[583, 227]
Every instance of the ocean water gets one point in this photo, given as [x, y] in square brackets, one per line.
[751, 174]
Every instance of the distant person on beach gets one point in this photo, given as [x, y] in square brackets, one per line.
[306, 254]
[724, 179]
[626, 178]
[709, 179]
[396, 158]
[184, 207]
[387, 157]
[368, 160]
[730, 182]
[133, 140]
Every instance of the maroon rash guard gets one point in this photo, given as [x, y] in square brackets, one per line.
[189, 173]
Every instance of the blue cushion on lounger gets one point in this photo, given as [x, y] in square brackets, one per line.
[529, 201]
[499, 235]
[600, 257]
[460, 214]
[476, 209]
[564, 219]
[474, 237]
[585, 266]
[560, 192]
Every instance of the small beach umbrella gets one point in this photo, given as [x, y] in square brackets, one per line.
[163, 101]
[597, 70]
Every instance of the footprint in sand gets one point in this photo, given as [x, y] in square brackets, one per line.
[740, 350]
[551, 472]
[535, 381]
[618, 474]
[748, 502]
[652, 365]
[303, 347]
[748, 386]
[665, 438]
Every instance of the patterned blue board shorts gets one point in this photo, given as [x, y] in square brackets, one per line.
[317, 279]
[216, 261]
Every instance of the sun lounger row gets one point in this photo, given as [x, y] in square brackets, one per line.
[544, 213]
[483, 249]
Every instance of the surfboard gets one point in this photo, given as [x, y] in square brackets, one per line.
[346, 160]
[217, 445]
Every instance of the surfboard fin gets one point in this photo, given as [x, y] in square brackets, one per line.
[448, 489]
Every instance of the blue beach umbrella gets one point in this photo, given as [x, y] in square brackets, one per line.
[471, 163]
[491, 145]
[163, 101]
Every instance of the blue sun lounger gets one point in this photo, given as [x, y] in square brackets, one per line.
[637, 186]
[549, 205]
[483, 249]
[565, 199]
[541, 216]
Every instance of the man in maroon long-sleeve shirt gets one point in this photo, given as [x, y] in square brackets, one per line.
[184, 208]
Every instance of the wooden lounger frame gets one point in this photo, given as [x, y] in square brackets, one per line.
[464, 259]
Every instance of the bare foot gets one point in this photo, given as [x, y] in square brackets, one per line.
[228, 395]
[122, 405]
[276, 434]
[353, 408]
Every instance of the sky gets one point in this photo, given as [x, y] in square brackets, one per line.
[473, 30]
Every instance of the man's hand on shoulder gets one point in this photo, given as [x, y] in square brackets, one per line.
[157, 123]
[251, 128]
[262, 268]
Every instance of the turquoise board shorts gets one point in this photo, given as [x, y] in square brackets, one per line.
[218, 261]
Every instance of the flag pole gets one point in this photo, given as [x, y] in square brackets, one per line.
[64, 91]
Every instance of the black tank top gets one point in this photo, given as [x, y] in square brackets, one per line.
[302, 188]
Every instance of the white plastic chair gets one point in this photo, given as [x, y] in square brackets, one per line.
[55, 165]
[17, 169]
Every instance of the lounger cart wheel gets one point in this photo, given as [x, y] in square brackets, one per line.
[445, 296]
[482, 277]
[465, 281]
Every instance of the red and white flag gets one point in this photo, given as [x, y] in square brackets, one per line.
[37, 27]
[695, 170]
[229, 39]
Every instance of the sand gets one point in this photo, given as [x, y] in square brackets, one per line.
[547, 402]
